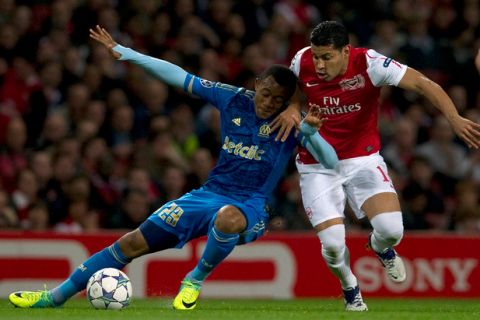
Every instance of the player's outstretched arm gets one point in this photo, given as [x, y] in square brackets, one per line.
[467, 130]
[320, 149]
[161, 69]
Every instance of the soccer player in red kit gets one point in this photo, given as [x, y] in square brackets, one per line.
[344, 82]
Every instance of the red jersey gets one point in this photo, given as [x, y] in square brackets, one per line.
[350, 101]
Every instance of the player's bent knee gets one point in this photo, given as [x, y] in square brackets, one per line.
[333, 241]
[230, 219]
[133, 244]
[389, 226]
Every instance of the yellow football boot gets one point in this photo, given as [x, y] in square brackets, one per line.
[186, 298]
[32, 299]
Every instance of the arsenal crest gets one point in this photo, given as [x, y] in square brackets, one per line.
[354, 83]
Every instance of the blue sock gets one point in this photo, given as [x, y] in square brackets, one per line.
[219, 245]
[110, 257]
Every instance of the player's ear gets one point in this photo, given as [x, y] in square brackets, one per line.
[257, 82]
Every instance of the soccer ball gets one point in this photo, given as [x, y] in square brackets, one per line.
[109, 288]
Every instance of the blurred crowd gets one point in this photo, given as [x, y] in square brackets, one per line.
[87, 142]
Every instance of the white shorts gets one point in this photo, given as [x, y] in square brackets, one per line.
[325, 191]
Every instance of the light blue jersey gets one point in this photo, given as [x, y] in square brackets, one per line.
[251, 162]
[249, 167]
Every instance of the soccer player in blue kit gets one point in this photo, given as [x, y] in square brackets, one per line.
[230, 206]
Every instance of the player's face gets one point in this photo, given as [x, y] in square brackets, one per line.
[270, 97]
[330, 62]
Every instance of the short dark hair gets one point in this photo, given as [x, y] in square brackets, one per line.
[283, 76]
[328, 33]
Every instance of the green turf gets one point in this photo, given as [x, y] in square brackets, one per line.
[322, 309]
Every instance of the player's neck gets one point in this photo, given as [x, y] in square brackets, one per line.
[345, 65]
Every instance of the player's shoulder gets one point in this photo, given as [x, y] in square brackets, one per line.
[244, 94]
[240, 94]
[303, 50]
[359, 55]
[301, 55]
[227, 87]
[232, 91]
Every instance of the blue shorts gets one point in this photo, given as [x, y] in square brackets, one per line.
[192, 216]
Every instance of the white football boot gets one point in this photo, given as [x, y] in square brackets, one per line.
[392, 263]
[353, 300]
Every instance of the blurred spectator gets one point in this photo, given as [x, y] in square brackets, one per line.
[120, 138]
[289, 213]
[399, 153]
[25, 194]
[387, 39]
[139, 179]
[44, 99]
[93, 150]
[424, 207]
[41, 166]
[159, 154]
[458, 94]
[86, 129]
[467, 210]
[201, 162]
[12, 154]
[300, 16]
[55, 193]
[183, 130]
[54, 130]
[173, 183]
[19, 82]
[209, 130]
[80, 216]
[133, 211]
[105, 190]
[8, 216]
[153, 103]
[256, 15]
[442, 153]
[38, 218]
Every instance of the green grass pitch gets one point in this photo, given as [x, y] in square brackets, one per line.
[322, 309]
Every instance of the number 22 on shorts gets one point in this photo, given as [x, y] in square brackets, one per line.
[171, 214]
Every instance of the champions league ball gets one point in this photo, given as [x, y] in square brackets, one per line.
[109, 288]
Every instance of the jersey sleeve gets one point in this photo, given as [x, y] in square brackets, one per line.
[384, 71]
[217, 93]
[320, 149]
[158, 68]
[295, 64]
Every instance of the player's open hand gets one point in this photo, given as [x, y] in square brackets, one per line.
[468, 131]
[285, 122]
[102, 36]
[314, 117]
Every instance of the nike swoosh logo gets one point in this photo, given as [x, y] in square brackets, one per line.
[312, 84]
[188, 305]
